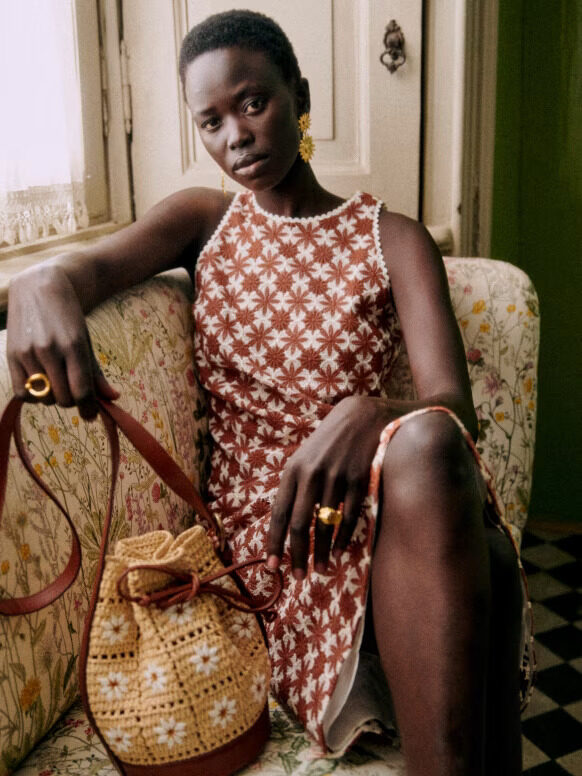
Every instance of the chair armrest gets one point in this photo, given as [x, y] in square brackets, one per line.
[498, 314]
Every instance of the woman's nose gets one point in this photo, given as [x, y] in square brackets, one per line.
[239, 135]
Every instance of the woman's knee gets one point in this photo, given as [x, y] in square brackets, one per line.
[430, 475]
[429, 449]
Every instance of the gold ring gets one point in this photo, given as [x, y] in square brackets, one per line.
[329, 516]
[38, 393]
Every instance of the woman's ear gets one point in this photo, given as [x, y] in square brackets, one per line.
[303, 97]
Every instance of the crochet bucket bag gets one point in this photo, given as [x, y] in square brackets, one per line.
[174, 670]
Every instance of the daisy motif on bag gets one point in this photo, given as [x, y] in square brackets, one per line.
[223, 711]
[180, 614]
[170, 732]
[155, 677]
[259, 687]
[242, 625]
[114, 685]
[205, 659]
[115, 628]
[118, 740]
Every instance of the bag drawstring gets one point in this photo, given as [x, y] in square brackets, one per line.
[187, 585]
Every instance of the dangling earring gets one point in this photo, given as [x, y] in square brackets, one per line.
[306, 144]
[222, 183]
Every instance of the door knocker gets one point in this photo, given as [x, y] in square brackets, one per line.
[394, 55]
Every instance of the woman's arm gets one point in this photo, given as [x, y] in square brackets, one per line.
[421, 294]
[47, 303]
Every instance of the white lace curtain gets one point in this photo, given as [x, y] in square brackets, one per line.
[41, 132]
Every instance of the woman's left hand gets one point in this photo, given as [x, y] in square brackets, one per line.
[331, 467]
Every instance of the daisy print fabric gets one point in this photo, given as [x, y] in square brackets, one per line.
[291, 316]
[166, 685]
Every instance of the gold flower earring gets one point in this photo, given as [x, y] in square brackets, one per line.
[222, 183]
[306, 144]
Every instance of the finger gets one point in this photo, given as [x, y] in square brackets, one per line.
[29, 359]
[56, 371]
[300, 523]
[322, 545]
[280, 517]
[19, 370]
[352, 510]
[324, 533]
[46, 359]
[48, 364]
[81, 375]
[19, 375]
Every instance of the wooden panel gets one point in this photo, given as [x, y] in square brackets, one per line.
[312, 43]
[313, 49]
[366, 122]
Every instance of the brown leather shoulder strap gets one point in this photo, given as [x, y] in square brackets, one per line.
[161, 462]
[9, 425]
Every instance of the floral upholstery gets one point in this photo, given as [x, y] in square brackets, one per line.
[497, 309]
[143, 339]
[288, 751]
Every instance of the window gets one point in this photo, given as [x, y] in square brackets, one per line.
[53, 149]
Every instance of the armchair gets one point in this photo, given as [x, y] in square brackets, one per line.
[143, 339]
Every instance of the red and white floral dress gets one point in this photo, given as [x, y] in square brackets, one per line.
[292, 315]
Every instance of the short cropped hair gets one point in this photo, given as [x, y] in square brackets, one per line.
[249, 30]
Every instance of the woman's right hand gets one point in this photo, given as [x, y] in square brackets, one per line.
[47, 303]
[47, 333]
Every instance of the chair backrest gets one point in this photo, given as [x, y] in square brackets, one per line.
[497, 309]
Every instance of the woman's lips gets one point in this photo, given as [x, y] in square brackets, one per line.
[249, 165]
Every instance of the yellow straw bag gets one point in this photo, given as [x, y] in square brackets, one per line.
[174, 670]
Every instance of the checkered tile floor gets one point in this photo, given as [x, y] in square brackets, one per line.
[552, 724]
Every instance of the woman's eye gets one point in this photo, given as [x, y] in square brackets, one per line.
[255, 105]
[210, 124]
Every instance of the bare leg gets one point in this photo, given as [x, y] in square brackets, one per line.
[431, 597]
[503, 726]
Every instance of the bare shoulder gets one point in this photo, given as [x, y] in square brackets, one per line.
[171, 234]
[192, 213]
[406, 243]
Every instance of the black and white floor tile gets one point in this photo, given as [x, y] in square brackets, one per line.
[552, 724]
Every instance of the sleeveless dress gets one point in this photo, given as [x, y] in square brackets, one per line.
[291, 316]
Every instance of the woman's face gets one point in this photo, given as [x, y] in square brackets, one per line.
[246, 115]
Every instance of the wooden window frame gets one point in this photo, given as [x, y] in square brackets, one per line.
[107, 153]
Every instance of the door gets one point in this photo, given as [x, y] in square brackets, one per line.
[365, 120]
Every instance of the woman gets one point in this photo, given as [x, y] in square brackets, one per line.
[302, 299]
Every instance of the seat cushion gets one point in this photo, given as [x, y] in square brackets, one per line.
[71, 748]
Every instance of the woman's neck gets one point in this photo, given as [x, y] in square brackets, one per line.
[299, 195]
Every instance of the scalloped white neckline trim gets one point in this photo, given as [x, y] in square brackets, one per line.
[302, 219]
